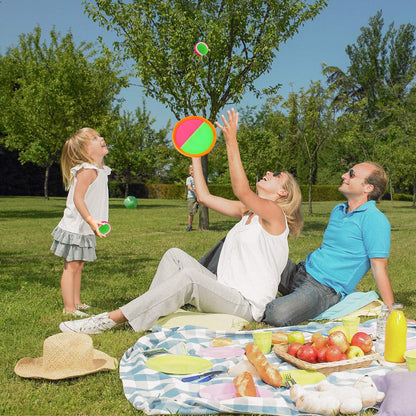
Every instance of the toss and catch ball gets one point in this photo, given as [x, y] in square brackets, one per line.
[104, 228]
[201, 48]
[194, 136]
[130, 202]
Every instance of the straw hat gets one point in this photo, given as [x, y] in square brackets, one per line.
[65, 355]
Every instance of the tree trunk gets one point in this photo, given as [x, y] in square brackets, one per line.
[310, 190]
[391, 191]
[46, 182]
[203, 210]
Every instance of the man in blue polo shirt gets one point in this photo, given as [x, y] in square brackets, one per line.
[356, 239]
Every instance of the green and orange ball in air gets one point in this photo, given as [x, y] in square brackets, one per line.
[194, 136]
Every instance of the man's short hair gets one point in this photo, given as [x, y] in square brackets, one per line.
[378, 178]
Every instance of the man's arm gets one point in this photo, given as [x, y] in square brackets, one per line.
[379, 270]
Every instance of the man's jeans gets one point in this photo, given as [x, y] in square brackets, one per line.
[303, 298]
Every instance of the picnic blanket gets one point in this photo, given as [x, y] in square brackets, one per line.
[356, 303]
[364, 304]
[155, 392]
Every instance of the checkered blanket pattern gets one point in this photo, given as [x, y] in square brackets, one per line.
[154, 392]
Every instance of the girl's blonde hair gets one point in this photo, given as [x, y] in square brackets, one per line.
[291, 204]
[75, 153]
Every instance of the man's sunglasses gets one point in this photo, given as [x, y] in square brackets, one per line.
[352, 173]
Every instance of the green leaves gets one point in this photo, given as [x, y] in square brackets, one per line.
[50, 89]
[137, 151]
[243, 38]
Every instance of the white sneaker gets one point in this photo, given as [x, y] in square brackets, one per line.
[83, 307]
[77, 313]
[95, 324]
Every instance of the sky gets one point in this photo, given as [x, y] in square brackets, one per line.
[297, 63]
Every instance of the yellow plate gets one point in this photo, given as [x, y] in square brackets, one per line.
[304, 377]
[179, 364]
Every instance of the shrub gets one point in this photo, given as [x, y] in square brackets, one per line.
[402, 197]
[322, 193]
[175, 191]
[163, 191]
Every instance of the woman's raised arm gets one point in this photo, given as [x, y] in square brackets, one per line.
[234, 209]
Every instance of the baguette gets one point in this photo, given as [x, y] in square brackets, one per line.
[268, 374]
[244, 385]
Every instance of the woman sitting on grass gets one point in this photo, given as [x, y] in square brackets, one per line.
[254, 254]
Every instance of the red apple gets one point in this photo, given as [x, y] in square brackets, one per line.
[338, 339]
[320, 341]
[315, 336]
[307, 353]
[293, 348]
[321, 354]
[333, 353]
[362, 340]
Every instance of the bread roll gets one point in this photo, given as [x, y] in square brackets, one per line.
[279, 337]
[244, 385]
[221, 342]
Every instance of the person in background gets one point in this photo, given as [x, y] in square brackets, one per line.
[253, 256]
[191, 199]
[356, 239]
[86, 178]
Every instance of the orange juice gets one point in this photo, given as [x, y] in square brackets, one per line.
[396, 333]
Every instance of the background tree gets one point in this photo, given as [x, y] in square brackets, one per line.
[315, 125]
[294, 159]
[262, 142]
[372, 98]
[137, 151]
[382, 65]
[273, 122]
[399, 144]
[243, 38]
[50, 90]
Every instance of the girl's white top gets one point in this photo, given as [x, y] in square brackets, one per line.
[96, 199]
[252, 261]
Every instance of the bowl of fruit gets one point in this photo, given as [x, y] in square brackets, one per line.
[327, 354]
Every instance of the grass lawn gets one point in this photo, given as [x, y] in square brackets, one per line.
[31, 303]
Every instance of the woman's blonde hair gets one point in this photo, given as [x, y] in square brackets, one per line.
[291, 204]
[75, 153]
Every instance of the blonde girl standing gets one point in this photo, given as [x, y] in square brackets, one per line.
[86, 178]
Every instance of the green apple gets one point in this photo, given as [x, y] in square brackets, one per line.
[295, 336]
[354, 351]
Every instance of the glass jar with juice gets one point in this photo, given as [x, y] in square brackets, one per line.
[396, 333]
